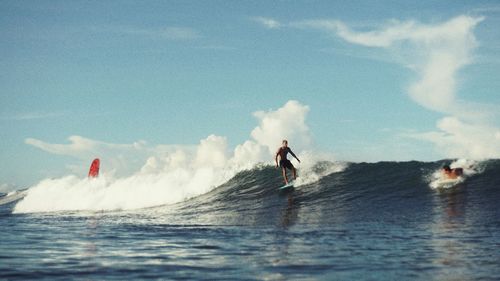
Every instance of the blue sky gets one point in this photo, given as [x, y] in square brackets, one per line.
[175, 72]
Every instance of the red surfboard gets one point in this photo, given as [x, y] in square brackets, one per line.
[94, 168]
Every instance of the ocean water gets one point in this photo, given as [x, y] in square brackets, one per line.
[358, 221]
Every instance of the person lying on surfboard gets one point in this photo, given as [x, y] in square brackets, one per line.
[452, 173]
[284, 162]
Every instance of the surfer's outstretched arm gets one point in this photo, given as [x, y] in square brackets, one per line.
[293, 154]
[276, 157]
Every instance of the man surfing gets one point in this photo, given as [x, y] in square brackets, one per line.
[284, 162]
[452, 173]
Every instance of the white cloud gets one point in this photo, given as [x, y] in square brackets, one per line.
[79, 146]
[212, 152]
[287, 122]
[382, 38]
[82, 148]
[178, 33]
[249, 153]
[436, 52]
[116, 158]
[457, 138]
[268, 22]
[174, 33]
[33, 116]
[487, 9]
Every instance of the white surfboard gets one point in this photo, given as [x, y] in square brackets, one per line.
[289, 185]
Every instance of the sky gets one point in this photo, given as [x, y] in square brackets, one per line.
[359, 80]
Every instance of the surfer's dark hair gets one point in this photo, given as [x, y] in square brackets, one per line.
[446, 168]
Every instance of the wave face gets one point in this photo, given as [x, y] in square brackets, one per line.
[326, 192]
[385, 191]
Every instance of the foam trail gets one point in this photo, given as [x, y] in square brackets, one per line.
[315, 166]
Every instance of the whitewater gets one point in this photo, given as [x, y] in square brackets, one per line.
[143, 190]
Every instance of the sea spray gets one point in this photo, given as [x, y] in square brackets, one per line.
[134, 192]
[315, 165]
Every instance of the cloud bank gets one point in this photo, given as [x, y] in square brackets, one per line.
[289, 122]
[436, 53]
[120, 159]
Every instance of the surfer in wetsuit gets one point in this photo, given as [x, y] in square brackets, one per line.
[284, 162]
[452, 173]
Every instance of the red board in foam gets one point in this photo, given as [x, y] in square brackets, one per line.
[94, 168]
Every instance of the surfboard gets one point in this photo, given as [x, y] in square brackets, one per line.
[289, 185]
[94, 168]
[444, 183]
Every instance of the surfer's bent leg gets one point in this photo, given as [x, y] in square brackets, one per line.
[283, 169]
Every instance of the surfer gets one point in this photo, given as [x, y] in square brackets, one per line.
[452, 173]
[284, 162]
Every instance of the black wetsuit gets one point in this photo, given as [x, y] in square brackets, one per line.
[285, 163]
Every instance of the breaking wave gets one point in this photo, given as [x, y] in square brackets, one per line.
[323, 184]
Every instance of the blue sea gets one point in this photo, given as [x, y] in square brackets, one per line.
[366, 221]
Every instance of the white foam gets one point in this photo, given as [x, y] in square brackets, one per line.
[438, 180]
[134, 192]
[141, 190]
[308, 170]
